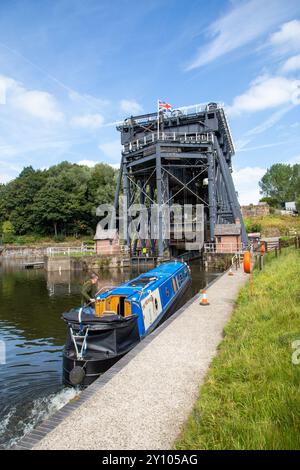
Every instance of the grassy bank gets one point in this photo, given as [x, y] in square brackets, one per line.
[39, 241]
[250, 398]
[273, 225]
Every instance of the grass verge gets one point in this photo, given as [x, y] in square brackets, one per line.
[251, 395]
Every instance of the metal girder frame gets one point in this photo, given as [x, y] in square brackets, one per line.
[230, 190]
[163, 174]
[223, 204]
[212, 196]
[185, 185]
[224, 213]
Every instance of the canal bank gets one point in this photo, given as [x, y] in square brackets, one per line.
[143, 401]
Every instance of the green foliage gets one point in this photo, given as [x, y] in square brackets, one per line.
[281, 184]
[8, 231]
[252, 225]
[250, 398]
[60, 201]
[273, 225]
[59, 238]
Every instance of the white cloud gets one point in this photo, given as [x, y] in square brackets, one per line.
[130, 107]
[287, 38]
[245, 22]
[89, 163]
[294, 160]
[270, 122]
[31, 146]
[8, 170]
[246, 183]
[265, 146]
[88, 121]
[112, 150]
[5, 178]
[292, 64]
[92, 163]
[39, 104]
[89, 100]
[267, 92]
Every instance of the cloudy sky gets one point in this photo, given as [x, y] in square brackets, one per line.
[71, 68]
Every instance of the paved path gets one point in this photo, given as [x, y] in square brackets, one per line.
[145, 404]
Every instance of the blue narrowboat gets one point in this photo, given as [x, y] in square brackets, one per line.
[123, 315]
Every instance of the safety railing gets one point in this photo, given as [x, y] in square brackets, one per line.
[231, 248]
[188, 138]
[70, 250]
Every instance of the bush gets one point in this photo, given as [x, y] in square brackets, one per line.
[252, 226]
[59, 238]
[8, 232]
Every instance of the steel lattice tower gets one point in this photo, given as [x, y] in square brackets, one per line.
[187, 162]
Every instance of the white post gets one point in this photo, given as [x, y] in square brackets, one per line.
[158, 119]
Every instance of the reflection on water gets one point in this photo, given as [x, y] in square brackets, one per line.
[31, 304]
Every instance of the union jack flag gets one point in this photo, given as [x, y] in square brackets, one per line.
[165, 106]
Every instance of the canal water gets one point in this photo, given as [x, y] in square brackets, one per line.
[32, 336]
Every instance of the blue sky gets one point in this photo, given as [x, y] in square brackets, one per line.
[71, 68]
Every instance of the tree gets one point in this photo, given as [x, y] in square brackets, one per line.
[18, 198]
[50, 209]
[281, 183]
[62, 199]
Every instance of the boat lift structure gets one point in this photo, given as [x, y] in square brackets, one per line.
[184, 157]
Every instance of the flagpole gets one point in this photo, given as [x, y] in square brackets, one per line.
[158, 119]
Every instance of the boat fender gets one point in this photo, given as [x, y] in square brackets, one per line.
[247, 262]
[77, 375]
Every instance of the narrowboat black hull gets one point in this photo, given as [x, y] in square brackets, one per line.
[108, 340]
[93, 368]
[96, 363]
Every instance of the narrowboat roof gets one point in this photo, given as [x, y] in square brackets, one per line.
[146, 281]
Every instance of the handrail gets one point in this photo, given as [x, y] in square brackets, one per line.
[186, 137]
[107, 289]
[68, 250]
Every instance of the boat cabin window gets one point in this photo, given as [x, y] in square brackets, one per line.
[143, 281]
[156, 304]
[167, 292]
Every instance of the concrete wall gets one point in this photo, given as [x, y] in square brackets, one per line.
[84, 263]
[58, 264]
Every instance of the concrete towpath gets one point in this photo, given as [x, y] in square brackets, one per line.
[144, 400]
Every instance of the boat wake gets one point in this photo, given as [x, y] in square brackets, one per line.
[13, 427]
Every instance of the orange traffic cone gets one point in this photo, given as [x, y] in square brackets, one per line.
[230, 272]
[204, 301]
